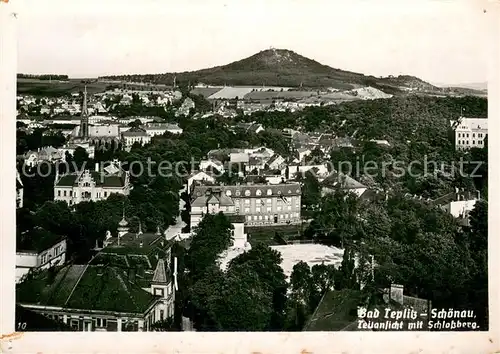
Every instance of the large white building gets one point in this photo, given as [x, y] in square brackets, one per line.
[135, 135]
[260, 204]
[43, 256]
[90, 185]
[154, 129]
[470, 132]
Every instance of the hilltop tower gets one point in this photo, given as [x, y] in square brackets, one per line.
[84, 120]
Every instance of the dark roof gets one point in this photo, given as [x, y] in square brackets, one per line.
[346, 181]
[129, 254]
[37, 240]
[336, 311]
[284, 189]
[101, 179]
[38, 322]
[85, 287]
[135, 132]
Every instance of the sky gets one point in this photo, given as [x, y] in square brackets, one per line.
[440, 41]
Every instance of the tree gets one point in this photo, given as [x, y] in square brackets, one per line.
[167, 325]
[81, 157]
[345, 277]
[266, 263]
[311, 190]
[136, 123]
[301, 281]
[244, 302]
[211, 237]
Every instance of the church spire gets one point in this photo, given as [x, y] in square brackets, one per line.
[84, 121]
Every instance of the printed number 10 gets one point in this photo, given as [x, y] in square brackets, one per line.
[21, 325]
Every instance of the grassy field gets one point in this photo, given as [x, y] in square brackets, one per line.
[57, 88]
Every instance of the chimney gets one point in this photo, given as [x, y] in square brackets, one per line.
[396, 293]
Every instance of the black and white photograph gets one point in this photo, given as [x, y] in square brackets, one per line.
[240, 166]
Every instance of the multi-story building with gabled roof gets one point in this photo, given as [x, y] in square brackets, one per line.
[127, 286]
[260, 204]
[90, 185]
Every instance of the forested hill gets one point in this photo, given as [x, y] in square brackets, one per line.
[281, 67]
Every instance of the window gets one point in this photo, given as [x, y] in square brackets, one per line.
[459, 135]
[158, 291]
[266, 217]
[247, 201]
[255, 217]
[258, 192]
[64, 193]
[258, 201]
[279, 207]
[247, 210]
[268, 209]
[269, 200]
[286, 216]
[257, 209]
[58, 193]
[247, 192]
[473, 142]
[105, 194]
[467, 142]
[70, 193]
[249, 218]
[269, 192]
[75, 324]
[100, 322]
[289, 208]
[473, 135]
[162, 313]
[281, 216]
[228, 193]
[260, 217]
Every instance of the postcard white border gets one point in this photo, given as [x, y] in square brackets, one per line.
[191, 342]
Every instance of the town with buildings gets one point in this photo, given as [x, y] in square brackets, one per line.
[264, 218]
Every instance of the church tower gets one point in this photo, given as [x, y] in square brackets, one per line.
[84, 120]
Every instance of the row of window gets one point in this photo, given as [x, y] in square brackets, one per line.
[466, 135]
[84, 194]
[270, 217]
[268, 209]
[269, 201]
[47, 256]
[258, 192]
[466, 142]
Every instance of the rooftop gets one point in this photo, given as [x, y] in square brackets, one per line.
[250, 190]
[100, 179]
[85, 287]
[37, 240]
